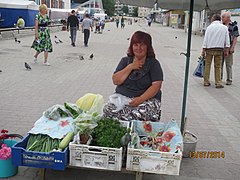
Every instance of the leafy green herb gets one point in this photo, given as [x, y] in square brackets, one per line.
[108, 133]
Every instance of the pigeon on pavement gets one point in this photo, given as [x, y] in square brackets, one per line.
[27, 66]
[81, 57]
[60, 41]
[91, 57]
[16, 40]
[56, 42]
[19, 41]
[55, 36]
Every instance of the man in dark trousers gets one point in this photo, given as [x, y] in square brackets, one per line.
[86, 26]
[122, 22]
[74, 26]
[233, 35]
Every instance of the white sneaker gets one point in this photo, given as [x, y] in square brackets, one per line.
[34, 60]
[46, 64]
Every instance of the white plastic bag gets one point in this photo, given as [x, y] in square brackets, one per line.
[97, 105]
[119, 101]
[56, 112]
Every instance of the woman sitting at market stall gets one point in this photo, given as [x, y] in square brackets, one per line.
[138, 78]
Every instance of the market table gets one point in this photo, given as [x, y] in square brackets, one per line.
[139, 175]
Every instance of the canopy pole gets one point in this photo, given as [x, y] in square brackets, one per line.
[187, 65]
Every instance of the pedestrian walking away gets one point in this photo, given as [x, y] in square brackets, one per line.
[42, 42]
[73, 22]
[97, 26]
[233, 34]
[216, 41]
[149, 22]
[102, 25]
[122, 22]
[117, 21]
[86, 26]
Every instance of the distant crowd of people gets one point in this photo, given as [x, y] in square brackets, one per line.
[121, 21]
[87, 25]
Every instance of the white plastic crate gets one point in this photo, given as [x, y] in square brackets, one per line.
[153, 161]
[95, 157]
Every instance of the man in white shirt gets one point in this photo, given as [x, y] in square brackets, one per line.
[216, 41]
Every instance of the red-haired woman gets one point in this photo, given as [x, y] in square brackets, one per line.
[138, 77]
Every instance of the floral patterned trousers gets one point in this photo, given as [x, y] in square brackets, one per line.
[149, 110]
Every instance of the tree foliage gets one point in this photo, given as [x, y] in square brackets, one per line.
[135, 12]
[125, 9]
[108, 6]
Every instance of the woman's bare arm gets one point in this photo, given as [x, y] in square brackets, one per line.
[36, 29]
[149, 93]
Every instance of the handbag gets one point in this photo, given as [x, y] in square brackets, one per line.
[199, 71]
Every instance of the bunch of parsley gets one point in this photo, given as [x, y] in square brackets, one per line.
[108, 133]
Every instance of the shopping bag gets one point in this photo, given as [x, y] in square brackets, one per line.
[199, 71]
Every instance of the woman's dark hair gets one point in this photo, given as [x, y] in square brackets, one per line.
[141, 37]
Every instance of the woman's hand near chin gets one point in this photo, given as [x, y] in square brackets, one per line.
[135, 65]
[136, 101]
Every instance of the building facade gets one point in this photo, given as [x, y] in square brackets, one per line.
[144, 12]
[118, 8]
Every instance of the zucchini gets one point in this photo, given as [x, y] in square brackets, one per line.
[65, 141]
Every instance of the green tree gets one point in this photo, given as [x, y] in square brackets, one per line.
[125, 9]
[135, 12]
[108, 6]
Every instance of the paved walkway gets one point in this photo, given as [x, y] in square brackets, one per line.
[213, 114]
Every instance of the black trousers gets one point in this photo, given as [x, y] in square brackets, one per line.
[86, 36]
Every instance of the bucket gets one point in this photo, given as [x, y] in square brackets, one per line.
[189, 144]
[6, 166]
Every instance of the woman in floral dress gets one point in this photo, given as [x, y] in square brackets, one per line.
[42, 40]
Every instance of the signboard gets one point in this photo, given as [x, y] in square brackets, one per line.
[174, 19]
